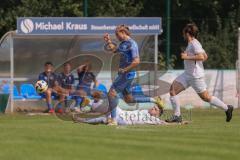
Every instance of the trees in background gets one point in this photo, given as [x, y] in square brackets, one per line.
[11, 9]
[218, 20]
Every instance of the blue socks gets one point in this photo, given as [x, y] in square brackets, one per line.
[59, 106]
[78, 101]
[49, 105]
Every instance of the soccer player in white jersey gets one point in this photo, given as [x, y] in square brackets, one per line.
[193, 76]
[137, 117]
[123, 117]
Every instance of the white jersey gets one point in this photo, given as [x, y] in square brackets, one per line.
[99, 106]
[96, 105]
[136, 117]
[194, 68]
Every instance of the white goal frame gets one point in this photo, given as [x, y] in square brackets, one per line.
[238, 70]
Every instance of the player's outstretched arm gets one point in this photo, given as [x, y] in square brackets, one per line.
[81, 68]
[110, 45]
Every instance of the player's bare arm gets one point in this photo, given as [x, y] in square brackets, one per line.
[81, 68]
[59, 90]
[95, 83]
[197, 57]
[108, 40]
[205, 56]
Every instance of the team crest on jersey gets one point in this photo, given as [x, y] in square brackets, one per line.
[125, 46]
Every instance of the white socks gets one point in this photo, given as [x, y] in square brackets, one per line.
[175, 104]
[214, 101]
[218, 103]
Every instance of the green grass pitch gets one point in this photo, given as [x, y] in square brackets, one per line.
[48, 138]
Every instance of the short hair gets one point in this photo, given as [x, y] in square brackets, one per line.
[48, 63]
[66, 63]
[191, 29]
[97, 94]
[123, 28]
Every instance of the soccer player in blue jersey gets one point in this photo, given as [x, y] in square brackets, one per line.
[129, 60]
[54, 88]
[66, 80]
[86, 78]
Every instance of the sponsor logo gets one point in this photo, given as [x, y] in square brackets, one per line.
[27, 26]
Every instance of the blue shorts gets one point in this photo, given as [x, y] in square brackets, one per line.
[85, 88]
[123, 82]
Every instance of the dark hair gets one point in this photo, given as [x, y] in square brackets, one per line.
[97, 94]
[48, 63]
[191, 29]
[66, 63]
[123, 28]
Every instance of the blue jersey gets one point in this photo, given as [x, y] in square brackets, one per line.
[51, 79]
[86, 78]
[128, 50]
[66, 81]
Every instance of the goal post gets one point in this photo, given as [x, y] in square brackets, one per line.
[238, 69]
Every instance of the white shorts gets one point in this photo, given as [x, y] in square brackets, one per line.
[198, 84]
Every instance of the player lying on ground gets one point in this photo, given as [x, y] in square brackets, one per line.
[129, 60]
[54, 89]
[193, 76]
[138, 117]
[150, 116]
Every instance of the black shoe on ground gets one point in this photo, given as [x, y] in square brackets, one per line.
[174, 119]
[229, 113]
